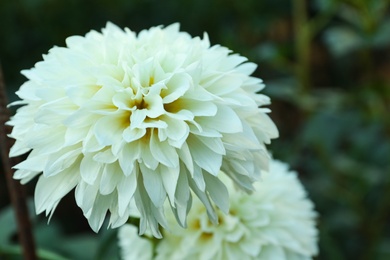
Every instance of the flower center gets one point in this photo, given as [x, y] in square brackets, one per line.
[205, 236]
[141, 104]
[151, 81]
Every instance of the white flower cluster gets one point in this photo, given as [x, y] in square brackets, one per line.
[147, 117]
[277, 221]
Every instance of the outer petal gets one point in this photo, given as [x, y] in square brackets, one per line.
[50, 190]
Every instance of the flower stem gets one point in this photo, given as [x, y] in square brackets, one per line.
[16, 191]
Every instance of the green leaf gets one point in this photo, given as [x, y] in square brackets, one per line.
[108, 246]
[343, 40]
[80, 247]
[7, 225]
[15, 252]
[382, 35]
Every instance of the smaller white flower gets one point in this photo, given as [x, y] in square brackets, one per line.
[132, 246]
[277, 221]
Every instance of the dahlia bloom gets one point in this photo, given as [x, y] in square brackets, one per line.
[276, 222]
[147, 117]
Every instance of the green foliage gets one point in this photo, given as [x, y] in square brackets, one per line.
[326, 65]
[53, 243]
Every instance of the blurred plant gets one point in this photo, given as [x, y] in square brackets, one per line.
[53, 243]
[340, 139]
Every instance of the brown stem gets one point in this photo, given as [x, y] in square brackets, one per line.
[16, 190]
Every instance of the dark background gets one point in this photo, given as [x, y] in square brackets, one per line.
[326, 65]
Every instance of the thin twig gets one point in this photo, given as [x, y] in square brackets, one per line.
[16, 191]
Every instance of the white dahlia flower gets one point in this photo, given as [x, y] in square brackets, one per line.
[277, 221]
[122, 117]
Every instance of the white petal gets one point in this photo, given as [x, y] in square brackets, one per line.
[108, 130]
[198, 178]
[18, 148]
[132, 134]
[116, 220]
[214, 144]
[123, 99]
[247, 139]
[224, 84]
[195, 107]
[185, 156]
[244, 182]
[129, 154]
[177, 86]
[24, 175]
[85, 196]
[153, 185]
[205, 200]
[48, 139]
[34, 162]
[90, 169]
[225, 121]
[50, 190]
[111, 176]
[99, 210]
[44, 116]
[61, 160]
[126, 188]
[81, 118]
[203, 130]
[182, 196]
[155, 106]
[137, 118]
[163, 152]
[268, 128]
[218, 192]
[146, 156]
[149, 213]
[90, 143]
[177, 131]
[204, 157]
[250, 247]
[105, 156]
[81, 93]
[169, 178]
[247, 67]
[75, 135]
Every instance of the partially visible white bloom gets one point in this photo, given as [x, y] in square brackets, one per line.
[275, 222]
[132, 246]
[147, 117]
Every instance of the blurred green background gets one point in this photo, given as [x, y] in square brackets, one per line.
[326, 64]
